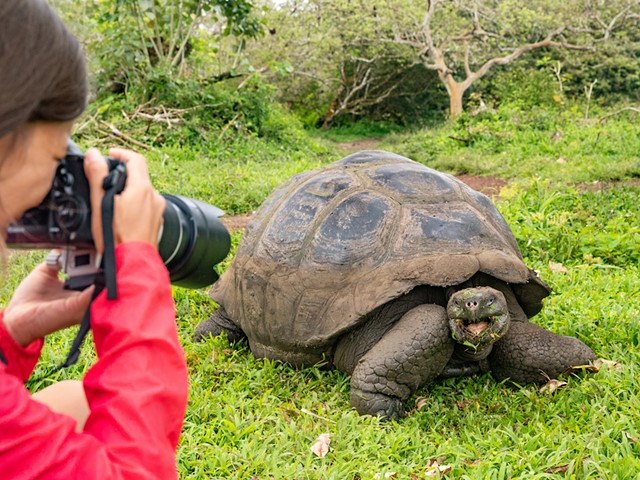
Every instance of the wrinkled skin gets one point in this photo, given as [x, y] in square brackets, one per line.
[413, 340]
[478, 317]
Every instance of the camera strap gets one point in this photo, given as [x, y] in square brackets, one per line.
[112, 184]
[85, 326]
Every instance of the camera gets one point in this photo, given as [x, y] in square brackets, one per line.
[192, 239]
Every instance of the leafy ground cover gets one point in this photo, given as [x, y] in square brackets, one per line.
[518, 143]
[258, 419]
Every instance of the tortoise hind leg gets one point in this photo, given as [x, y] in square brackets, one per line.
[529, 353]
[215, 325]
[413, 352]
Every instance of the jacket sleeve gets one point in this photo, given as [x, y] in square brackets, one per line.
[137, 391]
[20, 361]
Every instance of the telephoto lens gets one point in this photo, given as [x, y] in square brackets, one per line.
[192, 241]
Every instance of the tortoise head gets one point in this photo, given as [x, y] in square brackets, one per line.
[478, 316]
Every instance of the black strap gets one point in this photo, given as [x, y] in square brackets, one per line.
[85, 326]
[112, 184]
[3, 359]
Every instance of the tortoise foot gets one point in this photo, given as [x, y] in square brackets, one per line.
[215, 325]
[411, 354]
[377, 404]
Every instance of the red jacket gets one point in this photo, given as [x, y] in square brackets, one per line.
[137, 390]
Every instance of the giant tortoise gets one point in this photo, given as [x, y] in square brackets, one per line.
[393, 273]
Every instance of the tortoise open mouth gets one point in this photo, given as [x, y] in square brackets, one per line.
[484, 330]
[476, 328]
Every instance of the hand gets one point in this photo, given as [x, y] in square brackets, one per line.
[41, 306]
[138, 209]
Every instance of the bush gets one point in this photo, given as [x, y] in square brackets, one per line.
[169, 110]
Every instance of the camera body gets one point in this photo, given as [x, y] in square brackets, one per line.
[63, 218]
[191, 242]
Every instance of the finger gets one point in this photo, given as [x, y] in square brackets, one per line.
[83, 300]
[71, 309]
[95, 168]
[137, 171]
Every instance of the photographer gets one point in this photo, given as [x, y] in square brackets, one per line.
[134, 398]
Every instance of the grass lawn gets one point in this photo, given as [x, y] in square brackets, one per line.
[257, 419]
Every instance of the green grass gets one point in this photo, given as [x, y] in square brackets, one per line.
[357, 131]
[558, 146]
[257, 419]
[236, 175]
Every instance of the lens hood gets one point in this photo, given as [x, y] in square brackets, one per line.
[192, 241]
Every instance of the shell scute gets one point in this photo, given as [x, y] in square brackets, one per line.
[355, 230]
[412, 183]
[283, 238]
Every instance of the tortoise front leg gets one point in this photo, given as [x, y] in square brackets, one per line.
[413, 352]
[216, 324]
[529, 353]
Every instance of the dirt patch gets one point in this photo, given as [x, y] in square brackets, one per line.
[357, 145]
[490, 186]
[236, 222]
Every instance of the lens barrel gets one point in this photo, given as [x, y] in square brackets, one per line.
[192, 241]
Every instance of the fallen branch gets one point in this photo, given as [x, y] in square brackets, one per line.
[170, 116]
[161, 117]
[625, 109]
[460, 139]
[87, 122]
[115, 133]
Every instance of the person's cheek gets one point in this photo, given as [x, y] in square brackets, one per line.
[43, 186]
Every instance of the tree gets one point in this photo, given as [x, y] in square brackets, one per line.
[134, 39]
[307, 52]
[331, 58]
[462, 40]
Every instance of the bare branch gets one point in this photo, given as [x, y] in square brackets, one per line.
[117, 134]
[178, 57]
[464, 37]
[617, 112]
[467, 68]
[608, 28]
[557, 69]
[426, 24]
[482, 71]
[588, 91]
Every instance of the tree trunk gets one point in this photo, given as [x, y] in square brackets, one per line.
[455, 99]
[456, 91]
[333, 109]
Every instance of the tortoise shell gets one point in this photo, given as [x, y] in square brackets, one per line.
[331, 245]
